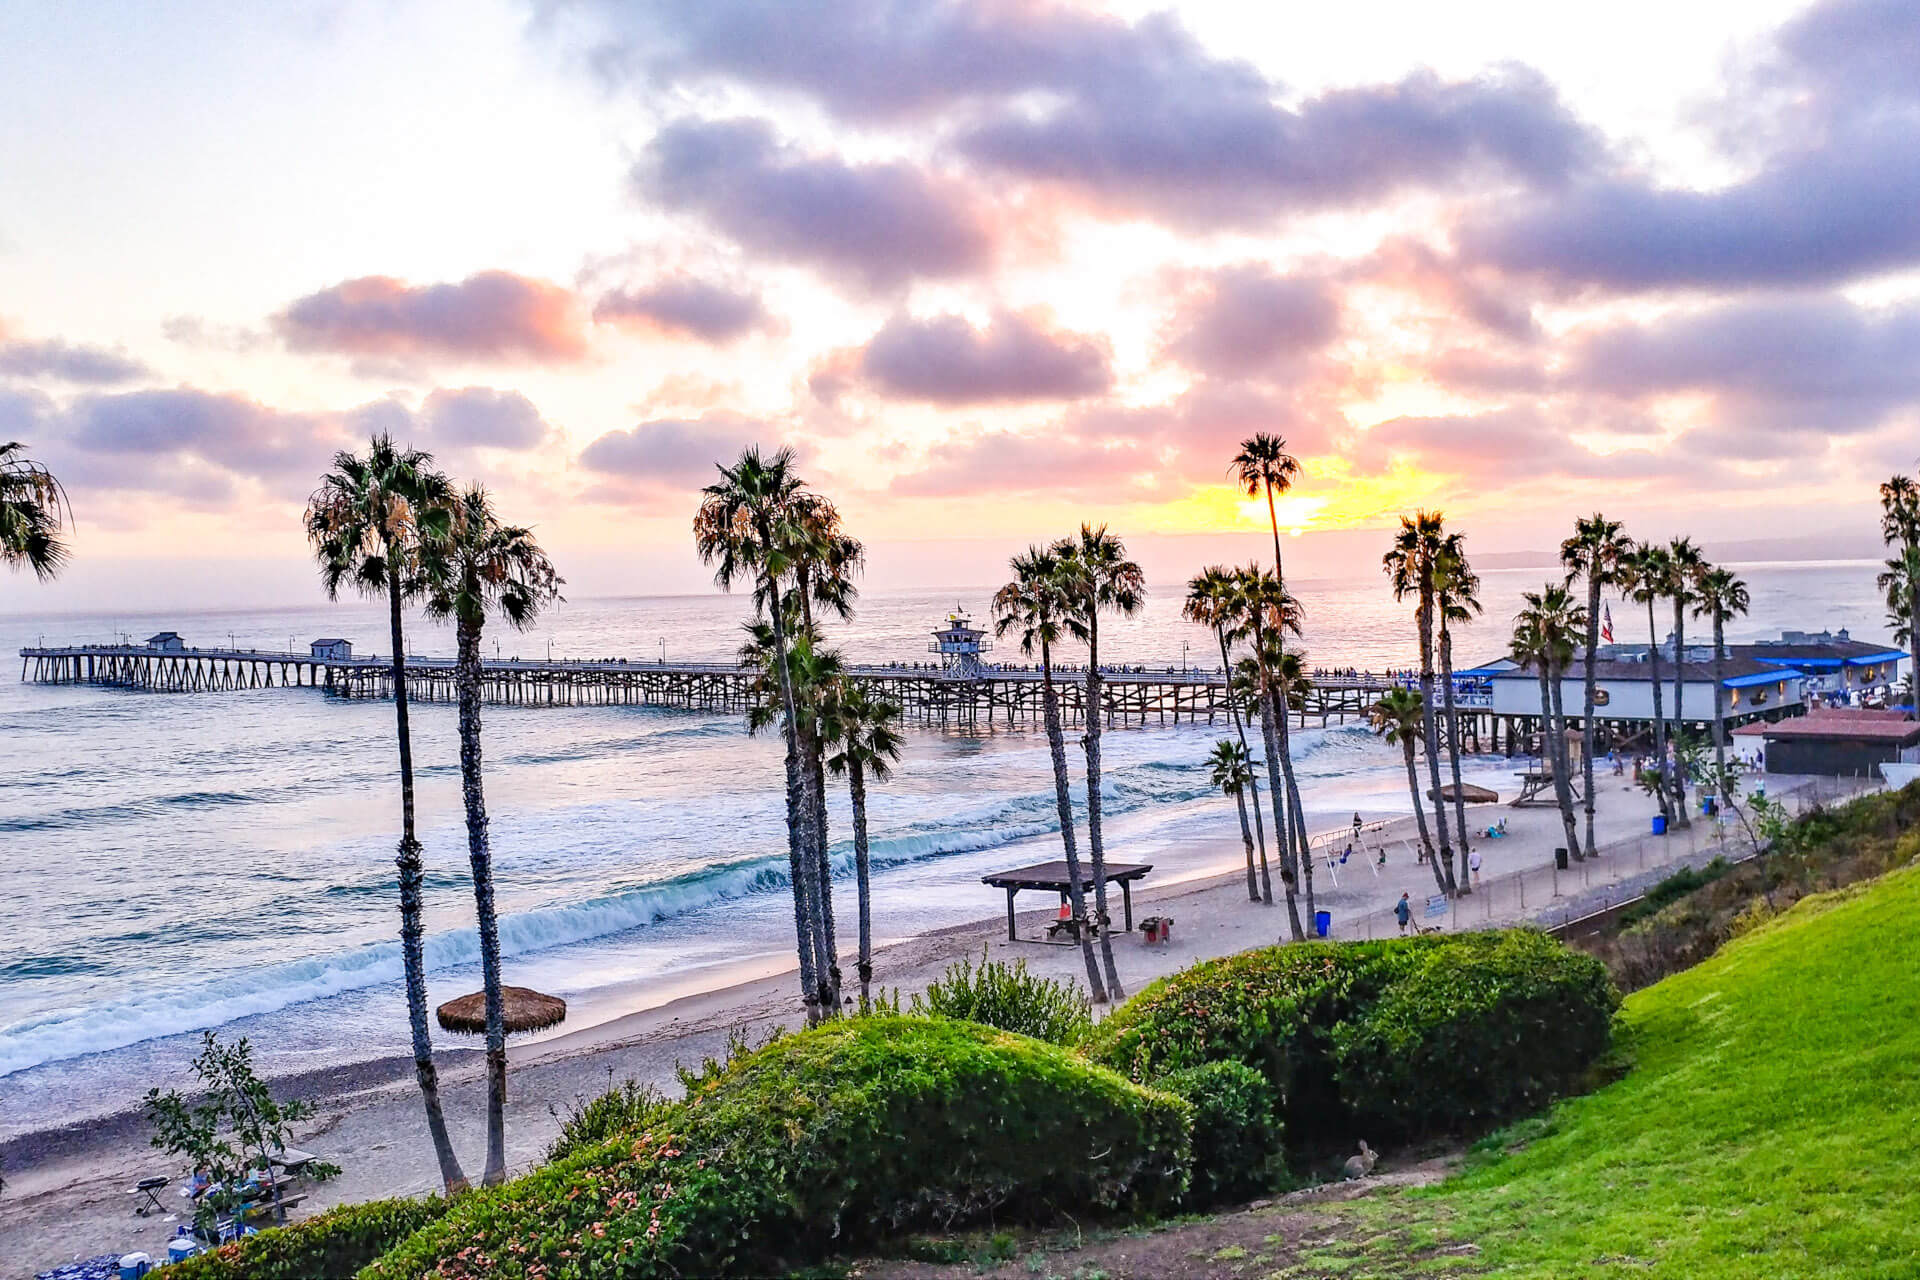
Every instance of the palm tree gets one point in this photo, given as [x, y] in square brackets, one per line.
[1456, 599]
[1102, 577]
[1231, 770]
[1682, 588]
[1413, 566]
[1400, 718]
[866, 739]
[1644, 578]
[366, 522]
[1210, 598]
[747, 526]
[1721, 596]
[1899, 582]
[1545, 635]
[1261, 605]
[476, 568]
[1595, 552]
[33, 513]
[1900, 529]
[1036, 604]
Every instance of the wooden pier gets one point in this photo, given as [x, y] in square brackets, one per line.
[931, 694]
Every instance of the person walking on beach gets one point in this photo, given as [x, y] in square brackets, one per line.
[1403, 912]
[1473, 866]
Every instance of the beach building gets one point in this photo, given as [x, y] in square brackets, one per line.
[1835, 742]
[167, 642]
[332, 647]
[960, 645]
[1837, 669]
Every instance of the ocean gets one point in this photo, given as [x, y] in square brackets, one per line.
[179, 862]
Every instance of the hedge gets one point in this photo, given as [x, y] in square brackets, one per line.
[1475, 1035]
[1326, 1024]
[1237, 1131]
[334, 1245]
[823, 1142]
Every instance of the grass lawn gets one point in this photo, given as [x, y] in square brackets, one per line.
[1767, 1127]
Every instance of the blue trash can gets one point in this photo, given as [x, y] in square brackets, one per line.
[1659, 824]
[1322, 921]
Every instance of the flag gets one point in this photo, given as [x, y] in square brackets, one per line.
[1606, 623]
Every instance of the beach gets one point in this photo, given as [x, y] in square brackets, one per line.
[68, 1192]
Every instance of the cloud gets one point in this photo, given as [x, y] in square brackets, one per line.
[668, 455]
[1246, 318]
[682, 306]
[1812, 366]
[490, 316]
[485, 417]
[1138, 116]
[874, 225]
[945, 360]
[67, 362]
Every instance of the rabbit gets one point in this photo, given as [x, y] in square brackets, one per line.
[1361, 1165]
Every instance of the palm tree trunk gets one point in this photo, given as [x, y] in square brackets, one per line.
[1296, 815]
[1063, 800]
[1562, 760]
[1295, 832]
[1420, 814]
[799, 806]
[1281, 832]
[1679, 715]
[480, 858]
[412, 929]
[1240, 728]
[1453, 744]
[857, 792]
[1659, 714]
[1913, 639]
[1719, 706]
[828, 940]
[1246, 838]
[1096, 851]
[1592, 692]
[1431, 717]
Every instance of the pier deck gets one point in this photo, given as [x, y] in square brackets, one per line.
[994, 695]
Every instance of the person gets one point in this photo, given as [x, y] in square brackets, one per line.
[1347, 854]
[1381, 861]
[1403, 912]
[1473, 865]
[1356, 828]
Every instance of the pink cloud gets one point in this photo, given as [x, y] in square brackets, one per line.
[490, 316]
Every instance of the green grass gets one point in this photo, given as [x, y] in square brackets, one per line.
[1766, 1128]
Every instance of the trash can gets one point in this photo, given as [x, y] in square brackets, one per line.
[1659, 824]
[1709, 805]
[1560, 859]
[1322, 921]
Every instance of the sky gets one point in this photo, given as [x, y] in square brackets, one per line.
[990, 269]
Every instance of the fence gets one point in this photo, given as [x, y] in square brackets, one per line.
[1622, 871]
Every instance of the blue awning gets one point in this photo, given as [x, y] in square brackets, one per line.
[1479, 671]
[1872, 659]
[1833, 663]
[1763, 677]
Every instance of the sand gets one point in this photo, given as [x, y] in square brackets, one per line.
[68, 1189]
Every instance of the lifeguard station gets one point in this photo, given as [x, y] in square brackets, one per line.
[960, 645]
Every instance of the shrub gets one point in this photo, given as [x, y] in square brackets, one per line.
[624, 1107]
[1237, 1132]
[333, 1246]
[1475, 1034]
[1006, 996]
[1673, 888]
[828, 1140]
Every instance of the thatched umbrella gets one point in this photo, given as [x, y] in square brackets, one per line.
[526, 1010]
[1468, 793]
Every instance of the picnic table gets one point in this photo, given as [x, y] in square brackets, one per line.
[1054, 877]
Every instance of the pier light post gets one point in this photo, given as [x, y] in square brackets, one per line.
[663, 651]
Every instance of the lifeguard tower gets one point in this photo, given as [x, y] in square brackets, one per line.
[960, 645]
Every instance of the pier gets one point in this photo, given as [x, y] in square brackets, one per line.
[975, 694]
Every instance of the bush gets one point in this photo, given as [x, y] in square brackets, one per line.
[1475, 1034]
[625, 1107]
[333, 1246]
[828, 1140]
[1237, 1132]
[1305, 1019]
[1673, 888]
[1008, 997]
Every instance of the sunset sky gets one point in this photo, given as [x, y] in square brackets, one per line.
[991, 269]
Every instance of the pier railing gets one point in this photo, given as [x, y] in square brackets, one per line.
[991, 694]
